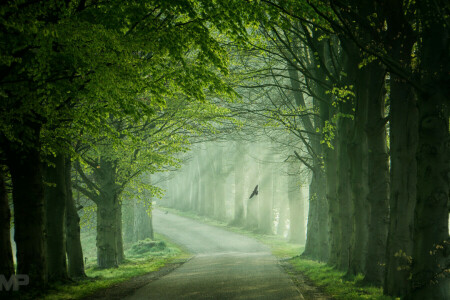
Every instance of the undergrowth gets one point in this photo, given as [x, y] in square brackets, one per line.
[141, 258]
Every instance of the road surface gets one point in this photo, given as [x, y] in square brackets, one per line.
[226, 265]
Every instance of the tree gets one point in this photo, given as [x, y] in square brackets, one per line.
[75, 258]
[7, 263]
[55, 211]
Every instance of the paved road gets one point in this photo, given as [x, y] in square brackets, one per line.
[226, 265]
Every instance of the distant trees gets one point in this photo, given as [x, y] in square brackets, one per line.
[247, 164]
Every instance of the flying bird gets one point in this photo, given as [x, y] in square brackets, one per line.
[254, 193]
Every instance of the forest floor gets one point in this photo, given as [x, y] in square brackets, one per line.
[315, 280]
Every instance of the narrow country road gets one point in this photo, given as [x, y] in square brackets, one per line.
[226, 265]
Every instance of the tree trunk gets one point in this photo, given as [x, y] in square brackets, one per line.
[106, 235]
[107, 205]
[345, 129]
[55, 207]
[282, 204]
[403, 148]
[317, 241]
[252, 213]
[321, 103]
[378, 197]
[296, 206]
[119, 236]
[239, 184]
[344, 190]
[29, 215]
[219, 175]
[73, 241]
[431, 239]
[6, 263]
[142, 222]
[431, 242]
[265, 199]
[210, 192]
[129, 219]
[333, 205]
[323, 251]
[403, 180]
[197, 185]
[312, 227]
[358, 152]
[252, 204]
[201, 185]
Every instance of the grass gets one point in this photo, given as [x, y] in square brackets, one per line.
[140, 259]
[333, 282]
[329, 280]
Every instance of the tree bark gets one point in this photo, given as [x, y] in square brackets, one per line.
[107, 223]
[333, 205]
[129, 219]
[358, 151]
[210, 193]
[431, 239]
[282, 204]
[318, 188]
[29, 215]
[403, 148]
[239, 184]
[312, 245]
[297, 233]
[73, 241]
[201, 187]
[119, 236]
[219, 182]
[431, 242]
[403, 181]
[6, 263]
[143, 227]
[320, 183]
[55, 207]
[252, 204]
[265, 198]
[344, 192]
[317, 228]
[106, 235]
[378, 196]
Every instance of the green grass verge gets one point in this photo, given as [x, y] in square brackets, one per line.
[137, 263]
[333, 282]
[328, 279]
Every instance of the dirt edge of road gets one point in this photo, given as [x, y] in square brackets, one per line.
[128, 287]
[308, 290]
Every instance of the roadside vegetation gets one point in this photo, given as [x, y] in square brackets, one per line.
[142, 257]
[330, 281]
[335, 283]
